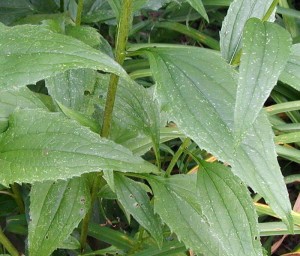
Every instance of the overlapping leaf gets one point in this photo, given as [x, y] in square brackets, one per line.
[30, 53]
[233, 25]
[291, 73]
[177, 198]
[42, 146]
[12, 99]
[56, 208]
[266, 48]
[136, 201]
[198, 91]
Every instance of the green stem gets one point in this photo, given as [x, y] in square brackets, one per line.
[18, 197]
[121, 41]
[79, 11]
[8, 245]
[175, 158]
[270, 10]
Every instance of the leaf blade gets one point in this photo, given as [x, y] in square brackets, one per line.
[238, 13]
[265, 53]
[184, 71]
[38, 143]
[55, 210]
[52, 54]
[136, 201]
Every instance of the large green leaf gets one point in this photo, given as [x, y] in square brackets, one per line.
[20, 98]
[56, 208]
[177, 198]
[30, 53]
[225, 198]
[266, 48]
[136, 201]
[291, 73]
[197, 89]
[233, 25]
[42, 146]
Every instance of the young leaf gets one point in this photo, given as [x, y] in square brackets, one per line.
[266, 48]
[56, 208]
[197, 89]
[47, 52]
[136, 201]
[233, 25]
[42, 146]
[20, 98]
[291, 73]
[225, 198]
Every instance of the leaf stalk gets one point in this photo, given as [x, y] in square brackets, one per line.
[8, 245]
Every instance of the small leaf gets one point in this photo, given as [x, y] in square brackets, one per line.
[291, 73]
[266, 48]
[136, 201]
[56, 208]
[42, 146]
[225, 198]
[48, 53]
[233, 25]
[198, 6]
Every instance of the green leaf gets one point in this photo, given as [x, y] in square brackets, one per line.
[47, 52]
[42, 146]
[136, 201]
[291, 73]
[68, 88]
[266, 48]
[198, 6]
[225, 198]
[194, 85]
[56, 208]
[233, 25]
[177, 198]
[17, 98]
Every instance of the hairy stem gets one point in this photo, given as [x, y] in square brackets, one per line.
[8, 245]
[79, 11]
[121, 41]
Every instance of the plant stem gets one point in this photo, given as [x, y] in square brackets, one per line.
[7, 244]
[270, 10]
[18, 197]
[121, 41]
[175, 158]
[79, 11]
